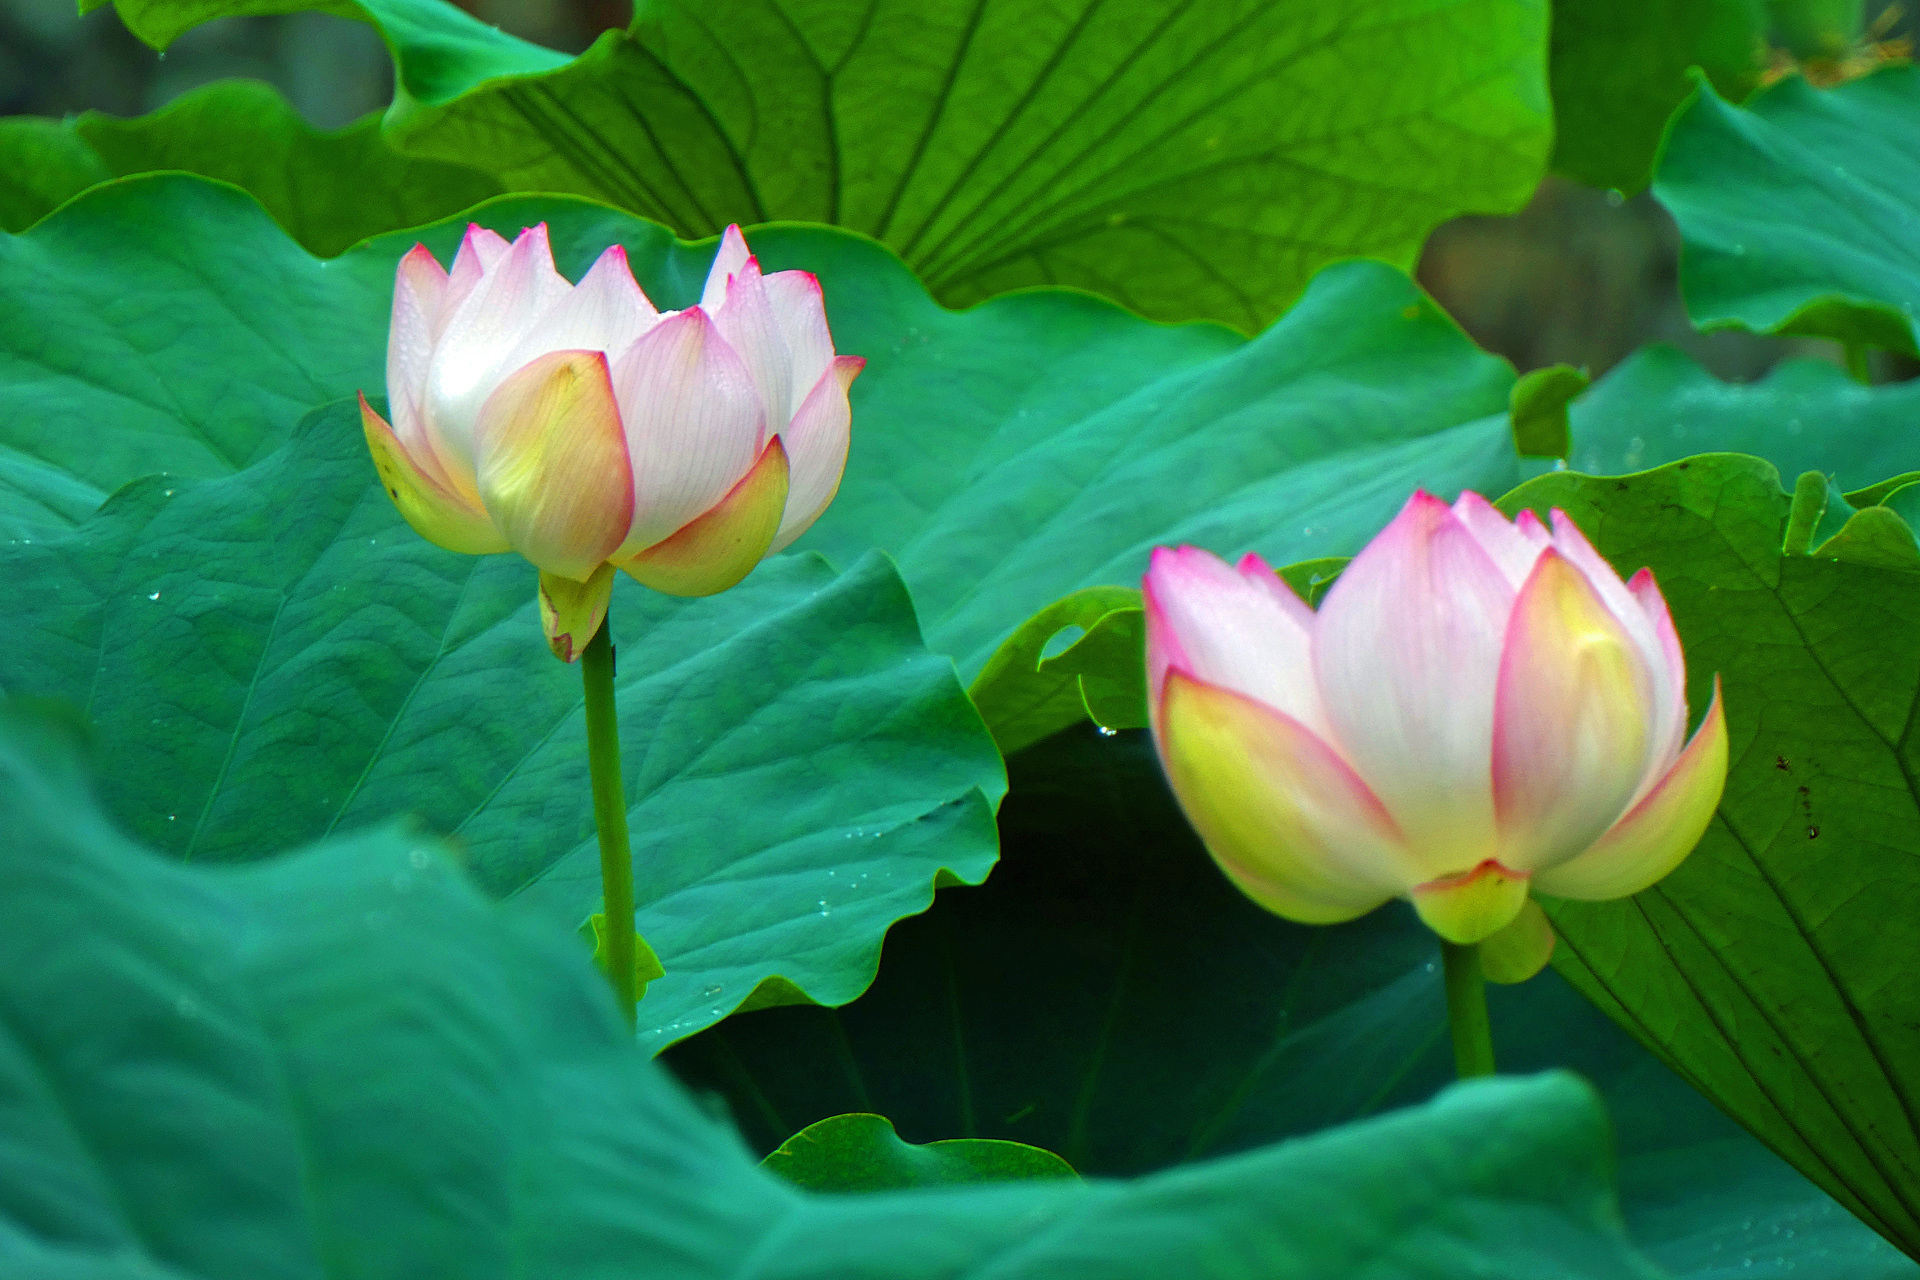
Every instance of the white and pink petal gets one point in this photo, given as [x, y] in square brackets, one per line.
[1406, 652]
[1239, 629]
[1570, 732]
[1284, 816]
[694, 424]
[816, 444]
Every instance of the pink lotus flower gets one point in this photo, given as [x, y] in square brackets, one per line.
[580, 427]
[1477, 707]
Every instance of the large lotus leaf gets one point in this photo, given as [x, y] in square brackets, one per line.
[1798, 211]
[1773, 968]
[166, 325]
[347, 1062]
[1109, 996]
[1199, 160]
[274, 655]
[1619, 70]
[1006, 455]
[1658, 406]
[328, 189]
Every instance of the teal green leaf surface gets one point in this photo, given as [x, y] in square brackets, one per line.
[1770, 970]
[1798, 212]
[347, 1060]
[328, 189]
[1107, 994]
[1657, 406]
[861, 1152]
[1619, 70]
[1072, 436]
[274, 655]
[1199, 161]
[166, 325]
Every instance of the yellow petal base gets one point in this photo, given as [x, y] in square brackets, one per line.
[1470, 908]
[570, 612]
[436, 515]
[714, 551]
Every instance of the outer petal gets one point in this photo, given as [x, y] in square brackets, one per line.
[721, 547]
[1406, 647]
[1238, 629]
[606, 312]
[1570, 723]
[1658, 833]
[727, 259]
[420, 291]
[1510, 548]
[479, 250]
[816, 442]
[1666, 705]
[694, 424]
[570, 612]
[1279, 810]
[1669, 677]
[481, 329]
[419, 286]
[1473, 907]
[435, 514]
[553, 463]
[800, 310]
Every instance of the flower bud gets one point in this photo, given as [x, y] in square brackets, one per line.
[580, 427]
[1479, 708]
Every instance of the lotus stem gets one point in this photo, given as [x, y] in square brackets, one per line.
[610, 817]
[1467, 1010]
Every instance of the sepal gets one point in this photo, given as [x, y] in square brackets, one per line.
[570, 612]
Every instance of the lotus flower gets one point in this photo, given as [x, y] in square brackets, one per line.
[1478, 707]
[580, 427]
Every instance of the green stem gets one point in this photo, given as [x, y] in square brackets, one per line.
[610, 816]
[1467, 1010]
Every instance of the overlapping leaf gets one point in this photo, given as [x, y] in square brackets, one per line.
[1620, 69]
[1198, 160]
[328, 189]
[346, 1061]
[1771, 969]
[861, 1152]
[1798, 212]
[1658, 406]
